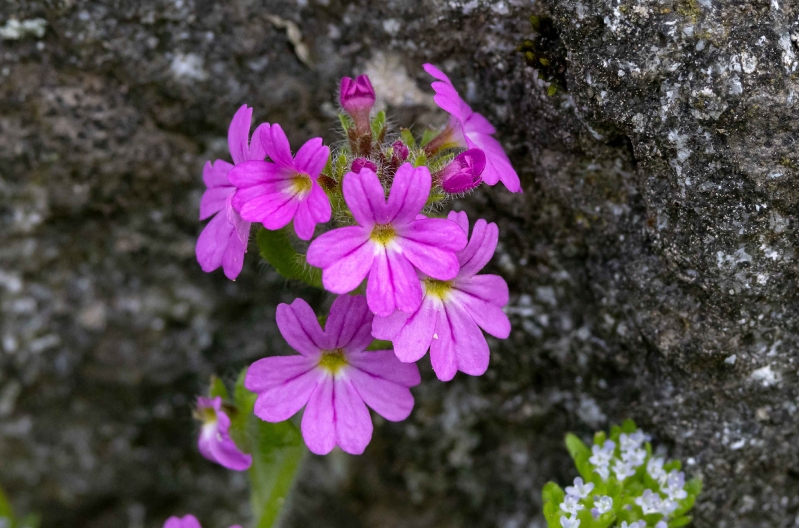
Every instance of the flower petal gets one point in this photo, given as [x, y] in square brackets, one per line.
[189, 521]
[335, 245]
[275, 371]
[349, 324]
[348, 273]
[319, 204]
[413, 340]
[388, 327]
[214, 200]
[226, 454]
[300, 328]
[498, 167]
[353, 423]
[365, 197]
[393, 284]
[304, 224]
[233, 258]
[490, 288]
[460, 218]
[257, 151]
[312, 157]
[480, 249]
[274, 209]
[318, 422]
[438, 263]
[238, 134]
[276, 145]
[488, 316]
[478, 123]
[216, 174]
[436, 73]
[384, 364]
[213, 241]
[460, 345]
[252, 173]
[391, 401]
[281, 402]
[409, 193]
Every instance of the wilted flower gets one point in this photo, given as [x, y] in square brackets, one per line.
[463, 173]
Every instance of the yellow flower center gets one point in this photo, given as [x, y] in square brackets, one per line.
[383, 233]
[333, 360]
[206, 415]
[437, 288]
[301, 183]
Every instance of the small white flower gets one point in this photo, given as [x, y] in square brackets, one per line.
[602, 505]
[601, 456]
[675, 482]
[571, 504]
[567, 522]
[603, 471]
[634, 457]
[661, 524]
[655, 469]
[650, 502]
[668, 506]
[579, 489]
[623, 470]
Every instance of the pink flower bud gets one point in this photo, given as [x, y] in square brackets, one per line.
[357, 97]
[363, 163]
[401, 151]
[463, 173]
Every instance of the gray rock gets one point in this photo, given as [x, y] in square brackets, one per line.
[651, 258]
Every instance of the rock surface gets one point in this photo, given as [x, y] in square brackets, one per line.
[651, 258]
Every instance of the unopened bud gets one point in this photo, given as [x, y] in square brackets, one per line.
[363, 163]
[463, 173]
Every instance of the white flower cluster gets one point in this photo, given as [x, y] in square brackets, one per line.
[672, 489]
[577, 498]
[633, 455]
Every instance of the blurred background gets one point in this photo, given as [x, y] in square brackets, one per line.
[651, 257]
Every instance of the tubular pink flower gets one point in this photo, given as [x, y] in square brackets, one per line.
[223, 242]
[357, 97]
[285, 189]
[463, 173]
[215, 443]
[389, 243]
[333, 377]
[189, 521]
[468, 129]
[363, 163]
[449, 319]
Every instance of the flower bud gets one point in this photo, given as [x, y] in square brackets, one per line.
[363, 163]
[401, 152]
[463, 173]
[357, 97]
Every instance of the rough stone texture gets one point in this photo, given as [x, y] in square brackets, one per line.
[651, 258]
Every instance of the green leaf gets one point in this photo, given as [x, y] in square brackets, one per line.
[275, 248]
[346, 122]
[428, 136]
[407, 137]
[420, 160]
[218, 388]
[552, 495]
[580, 454]
[276, 458]
[379, 126]
[380, 344]
[6, 511]
[628, 426]
[680, 521]
[341, 167]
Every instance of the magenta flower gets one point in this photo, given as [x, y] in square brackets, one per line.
[463, 173]
[333, 377]
[357, 97]
[189, 521]
[389, 243]
[468, 129]
[363, 163]
[449, 319]
[223, 242]
[215, 443]
[286, 188]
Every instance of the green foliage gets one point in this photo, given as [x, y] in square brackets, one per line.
[275, 248]
[427, 137]
[277, 450]
[7, 518]
[380, 344]
[218, 388]
[407, 137]
[346, 122]
[623, 492]
[379, 127]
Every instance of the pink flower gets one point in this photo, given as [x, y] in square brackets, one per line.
[463, 173]
[189, 521]
[363, 163]
[286, 188]
[389, 243]
[468, 129]
[215, 443]
[223, 242]
[452, 312]
[333, 377]
[357, 97]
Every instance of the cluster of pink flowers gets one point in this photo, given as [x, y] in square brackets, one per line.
[402, 272]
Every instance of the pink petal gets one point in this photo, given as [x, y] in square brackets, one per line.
[274, 209]
[478, 123]
[438, 232]
[490, 288]
[318, 422]
[391, 401]
[480, 248]
[335, 245]
[460, 345]
[223, 451]
[393, 285]
[233, 258]
[384, 364]
[304, 224]
[257, 151]
[276, 145]
[312, 157]
[436, 73]
[437, 263]
[413, 340]
[498, 168]
[213, 241]
[281, 402]
[271, 372]
[216, 174]
[353, 423]
[251, 173]
[409, 193]
[300, 327]
[447, 99]
[365, 197]
[349, 324]
[460, 218]
[348, 273]
[238, 134]
[488, 316]
[214, 200]
[388, 327]
[319, 204]
[189, 521]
